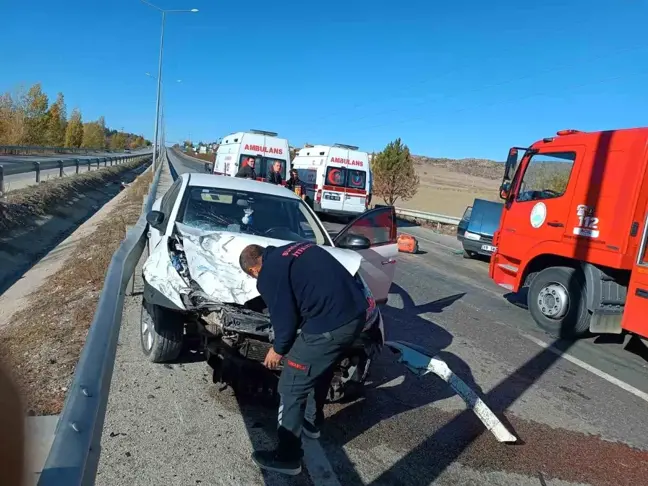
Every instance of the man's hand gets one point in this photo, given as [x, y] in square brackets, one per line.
[272, 359]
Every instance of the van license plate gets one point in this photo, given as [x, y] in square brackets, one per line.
[332, 197]
[488, 248]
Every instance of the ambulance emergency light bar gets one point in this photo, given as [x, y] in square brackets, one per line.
[341, 145]
[263, 132]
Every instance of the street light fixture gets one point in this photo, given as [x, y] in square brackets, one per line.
[159, 76]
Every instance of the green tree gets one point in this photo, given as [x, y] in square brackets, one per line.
[394, 176]
[118, 141]
[35, 104]
[56, 122]
[74, 130]
[93, 136]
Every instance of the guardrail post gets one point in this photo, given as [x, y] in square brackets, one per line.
[76, 163]
[1, 180]
[37, 169]
[60, 168]
[89, 164]
[105, 161]
[98, 162]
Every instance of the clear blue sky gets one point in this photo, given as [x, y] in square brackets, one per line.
[454, 79]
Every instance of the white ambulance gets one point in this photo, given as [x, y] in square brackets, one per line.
[336, 179]
[266, 148]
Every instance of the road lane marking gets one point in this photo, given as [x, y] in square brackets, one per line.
[318, 466]
[601, 374]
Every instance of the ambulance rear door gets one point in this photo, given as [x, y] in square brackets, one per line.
[333, 190]
[356, 182]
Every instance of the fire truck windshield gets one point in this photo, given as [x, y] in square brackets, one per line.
[545, 175]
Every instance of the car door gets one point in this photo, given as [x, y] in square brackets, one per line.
[378, 261]
[636, 306]
[166, 207]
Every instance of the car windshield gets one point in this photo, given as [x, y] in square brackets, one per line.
[253, 213]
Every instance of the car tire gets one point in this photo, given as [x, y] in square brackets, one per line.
[468, 254]
[547, 294]
[161, 333]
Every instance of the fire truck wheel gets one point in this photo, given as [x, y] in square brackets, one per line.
[557, 301]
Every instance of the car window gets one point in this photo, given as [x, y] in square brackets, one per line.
[356, 179]
[546, 176]
[335, 176]
[377, 225]
[214, 209]
[263, 165]
[168, 201]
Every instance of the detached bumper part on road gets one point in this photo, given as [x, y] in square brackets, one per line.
[421, 362]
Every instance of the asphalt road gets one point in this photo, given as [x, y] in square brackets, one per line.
[578, 410]
[18, 181]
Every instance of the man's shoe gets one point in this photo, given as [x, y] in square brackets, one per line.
[272, 461]
[311, 431]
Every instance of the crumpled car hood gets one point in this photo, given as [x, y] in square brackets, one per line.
[212, 260]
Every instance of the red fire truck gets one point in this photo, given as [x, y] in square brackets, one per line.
[573, 231]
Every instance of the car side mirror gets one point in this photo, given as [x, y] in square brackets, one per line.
[208, 167]
[353, 242]
[155, 219]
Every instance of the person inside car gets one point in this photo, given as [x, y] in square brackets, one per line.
[274, 177]
[247, 169]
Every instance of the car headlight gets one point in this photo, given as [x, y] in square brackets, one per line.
[472, 236]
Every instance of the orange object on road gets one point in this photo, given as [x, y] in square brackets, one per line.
[407, 244]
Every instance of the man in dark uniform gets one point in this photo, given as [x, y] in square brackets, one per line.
[305, 288]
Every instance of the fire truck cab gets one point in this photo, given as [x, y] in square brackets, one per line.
[573, 231]
[337, 178]
[265, 148]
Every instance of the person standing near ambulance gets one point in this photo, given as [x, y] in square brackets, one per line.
[330, 311]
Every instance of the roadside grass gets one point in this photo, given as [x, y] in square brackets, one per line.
[19, 208]
[42, 344]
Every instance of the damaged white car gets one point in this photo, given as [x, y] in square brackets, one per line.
[194, 286]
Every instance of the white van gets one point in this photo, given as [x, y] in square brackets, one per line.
[265, 148]
[337, 179]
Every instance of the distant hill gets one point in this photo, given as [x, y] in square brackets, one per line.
[485, 168]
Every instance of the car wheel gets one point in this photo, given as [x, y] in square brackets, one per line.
[557, 301]
[161, 333]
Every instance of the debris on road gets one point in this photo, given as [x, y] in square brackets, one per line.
[419, 361]
[407, 243]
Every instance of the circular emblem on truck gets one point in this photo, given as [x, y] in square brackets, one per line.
[538, 215]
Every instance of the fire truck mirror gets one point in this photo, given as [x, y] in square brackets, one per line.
[511, 163]
[505, 190]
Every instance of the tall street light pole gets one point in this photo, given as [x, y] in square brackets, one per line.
[159, 76]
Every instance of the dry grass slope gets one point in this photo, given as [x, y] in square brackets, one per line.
[20, 207]
[43, 343]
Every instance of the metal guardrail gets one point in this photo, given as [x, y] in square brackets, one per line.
[431, 217]
[29, 149]
[74, 456]
[60, 164]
